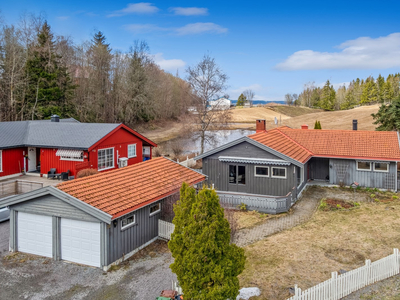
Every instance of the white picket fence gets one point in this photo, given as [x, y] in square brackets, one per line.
[165, 229]
[342, 285]
[189, 162]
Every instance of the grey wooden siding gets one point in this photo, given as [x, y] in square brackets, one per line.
[245, 150]
[51, 206]
[122, 242]
[346, 170]
[217, 173]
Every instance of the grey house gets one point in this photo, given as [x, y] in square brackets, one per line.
[269, 169]
[101, 219]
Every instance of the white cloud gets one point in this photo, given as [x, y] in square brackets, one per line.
[197, 28]
[361, 53]
[135, 8]
[189, 11]
[168, 64]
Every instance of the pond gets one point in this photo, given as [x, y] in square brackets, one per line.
[217, 138]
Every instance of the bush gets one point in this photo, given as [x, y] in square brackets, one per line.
[86, 172]
[323, 205]
[242, 207]
[395, 197]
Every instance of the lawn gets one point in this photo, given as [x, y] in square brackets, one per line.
[333, 239]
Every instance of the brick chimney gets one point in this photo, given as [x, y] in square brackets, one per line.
[260, 126]
[304, 126]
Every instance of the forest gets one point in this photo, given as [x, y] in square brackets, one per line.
[358, 92]
[42, 74]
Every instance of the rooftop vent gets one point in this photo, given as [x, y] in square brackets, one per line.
[55, 118]
[354, 124]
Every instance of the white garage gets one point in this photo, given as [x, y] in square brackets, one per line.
[80, 242]
[35, 234]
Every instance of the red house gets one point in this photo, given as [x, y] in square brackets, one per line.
[66, 144]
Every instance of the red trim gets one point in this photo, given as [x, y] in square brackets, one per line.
[126, 211]
[127, 129]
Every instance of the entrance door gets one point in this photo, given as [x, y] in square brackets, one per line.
[31, 159]
[237, 178]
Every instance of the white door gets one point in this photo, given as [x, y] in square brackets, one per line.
[35, 234]
[80, 242]
[31, 159]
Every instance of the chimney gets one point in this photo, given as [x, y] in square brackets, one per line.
[354, 124]
[55, 118]
[260, 126]
[304, 126]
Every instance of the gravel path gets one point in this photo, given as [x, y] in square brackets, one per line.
[301, 212]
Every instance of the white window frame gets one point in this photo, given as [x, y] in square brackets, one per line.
[131, 156]
[364, 170]
[130, 224]
[281, 177]
[157, 211]
[1, 160]
[113, 159]
[388, 166]
[257, 175]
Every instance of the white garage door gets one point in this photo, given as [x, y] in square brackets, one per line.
[35, 234]
[80, 242]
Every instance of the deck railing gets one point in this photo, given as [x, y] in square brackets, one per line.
[9, 188]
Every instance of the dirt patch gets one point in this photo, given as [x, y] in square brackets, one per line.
[154, 249]
[335, 204]
[345, 256]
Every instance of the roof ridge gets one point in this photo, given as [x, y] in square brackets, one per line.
[297, 143]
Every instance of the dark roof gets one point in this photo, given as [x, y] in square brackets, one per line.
[67, 133]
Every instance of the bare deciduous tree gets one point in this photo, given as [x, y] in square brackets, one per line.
[249, 94]
[206, 80]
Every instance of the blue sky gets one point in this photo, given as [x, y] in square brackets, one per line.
[272, 47]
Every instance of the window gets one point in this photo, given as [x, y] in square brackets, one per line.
[1, 160]
[65, 154]
[261, 171]
[381, 167]
[128, 222]
[131, 151]
[237, 174]
[278, 172]
[105, 159]
[232, 174]
[363, 166]
[155, 209]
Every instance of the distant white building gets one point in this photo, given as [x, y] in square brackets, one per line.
[220, 104]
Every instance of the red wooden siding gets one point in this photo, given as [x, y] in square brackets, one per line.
[119, 141]
[48, 160]
[12, 161]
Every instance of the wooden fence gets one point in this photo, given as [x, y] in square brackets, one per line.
[342, 285]
[9, 188]
[165, 229]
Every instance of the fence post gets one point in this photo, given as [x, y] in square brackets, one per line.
[297, 292]
[396, 260]
[334, 285]
[367, 272]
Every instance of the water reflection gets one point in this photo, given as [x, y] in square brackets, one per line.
[217, 138]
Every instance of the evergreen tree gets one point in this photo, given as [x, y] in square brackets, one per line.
[206, 264]
[328, 96]
[49, 85]
[369, 91]
[316, 125]
[388, 116]
[241, 100]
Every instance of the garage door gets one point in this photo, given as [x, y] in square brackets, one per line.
[80, 242]
[34, 234]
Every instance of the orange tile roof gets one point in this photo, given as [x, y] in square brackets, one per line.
[120, 191]
[383, 145]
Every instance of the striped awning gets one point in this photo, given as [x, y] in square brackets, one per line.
[260, 161]
[69, 153]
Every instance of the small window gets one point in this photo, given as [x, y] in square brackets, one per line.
[155, 209]
[261, 171]
[241, 175]
[128, 221]
[232, 174]
[278, 172]
[131, 150]
[381, 167]
[363, 166]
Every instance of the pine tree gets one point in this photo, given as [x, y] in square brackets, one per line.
[319, 125]
[241, 100]
[388, 116]
[316, 125]
[328, 96]
[206, 264]
[49, 85]
[369, 91]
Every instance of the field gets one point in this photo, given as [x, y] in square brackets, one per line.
[332, 240]
[297, 116]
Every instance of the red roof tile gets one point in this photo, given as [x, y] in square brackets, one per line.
[301, 144]
[120, 191]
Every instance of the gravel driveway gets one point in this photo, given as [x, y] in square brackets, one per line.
[25, 276]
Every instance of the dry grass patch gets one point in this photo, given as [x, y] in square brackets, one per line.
[294, 111]
[332, 240]
[251, 114]
[250, 219]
